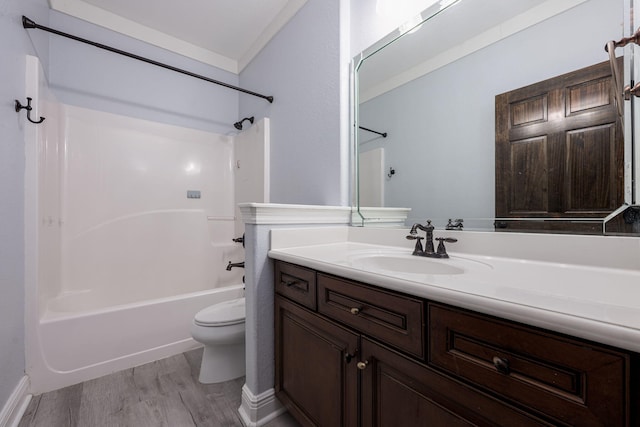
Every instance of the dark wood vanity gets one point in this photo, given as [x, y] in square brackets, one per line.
[352, 354]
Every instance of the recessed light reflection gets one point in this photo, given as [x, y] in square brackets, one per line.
[412, 25]
[192, 168]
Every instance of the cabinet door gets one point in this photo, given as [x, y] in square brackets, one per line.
[316, 378]
[397, 391]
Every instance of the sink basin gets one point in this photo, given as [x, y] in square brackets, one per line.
[410, 264]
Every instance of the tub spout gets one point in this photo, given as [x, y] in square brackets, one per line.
[234, 264]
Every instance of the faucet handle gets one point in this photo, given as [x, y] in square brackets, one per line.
[457, 225]
[442, 251]
[418, 250]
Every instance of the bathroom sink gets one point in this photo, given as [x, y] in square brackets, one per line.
[410, 264]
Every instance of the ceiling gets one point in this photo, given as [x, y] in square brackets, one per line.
[223, 33]
[448, 37]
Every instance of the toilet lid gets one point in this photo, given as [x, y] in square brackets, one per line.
[222, 314]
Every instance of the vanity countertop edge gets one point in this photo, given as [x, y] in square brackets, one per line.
[623, 333]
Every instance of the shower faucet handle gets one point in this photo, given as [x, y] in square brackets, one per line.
[239, 240]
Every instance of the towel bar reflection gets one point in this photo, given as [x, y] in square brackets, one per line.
[383, 134]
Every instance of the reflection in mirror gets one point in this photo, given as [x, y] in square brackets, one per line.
[433, 92]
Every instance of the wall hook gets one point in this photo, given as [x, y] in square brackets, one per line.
[27, 107]
[392, 172]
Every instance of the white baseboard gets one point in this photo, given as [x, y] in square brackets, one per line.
[16, 405]
[256, 411]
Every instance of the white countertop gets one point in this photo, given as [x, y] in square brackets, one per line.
[595, 302]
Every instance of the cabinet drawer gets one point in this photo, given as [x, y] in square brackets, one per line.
[387, 316]
[398, 391]
[570, 381]
[296, 283]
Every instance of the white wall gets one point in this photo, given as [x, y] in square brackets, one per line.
[15, 43]
[127, 219]
[301, 68]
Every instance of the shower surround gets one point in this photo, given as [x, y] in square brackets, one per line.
[129, 229]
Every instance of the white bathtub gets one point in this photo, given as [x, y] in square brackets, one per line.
[75, 347]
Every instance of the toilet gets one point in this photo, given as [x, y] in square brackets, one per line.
[220, 328]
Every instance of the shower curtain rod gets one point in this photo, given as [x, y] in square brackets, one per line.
[28, 24]
[383, 134]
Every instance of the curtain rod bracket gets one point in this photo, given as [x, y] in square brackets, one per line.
[28, 24]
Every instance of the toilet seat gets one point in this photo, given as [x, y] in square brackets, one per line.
[222, 314]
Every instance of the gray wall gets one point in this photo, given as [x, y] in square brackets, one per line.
[301, 68]
[15, 42]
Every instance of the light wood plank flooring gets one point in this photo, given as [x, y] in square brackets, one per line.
[162, 393]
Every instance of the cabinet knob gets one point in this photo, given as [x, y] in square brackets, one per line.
[362, 365]
[502, 365]
[355, 310]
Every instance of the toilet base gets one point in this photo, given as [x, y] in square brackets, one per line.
[222, 362]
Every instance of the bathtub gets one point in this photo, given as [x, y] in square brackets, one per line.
[78, 346]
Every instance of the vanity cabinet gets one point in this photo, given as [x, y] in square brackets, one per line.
[316, 378]
[360, 355]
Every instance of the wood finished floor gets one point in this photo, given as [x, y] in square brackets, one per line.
[162, 393]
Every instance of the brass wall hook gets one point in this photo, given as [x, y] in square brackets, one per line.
[27, 107]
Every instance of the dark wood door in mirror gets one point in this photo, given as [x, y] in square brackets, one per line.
[559, 152]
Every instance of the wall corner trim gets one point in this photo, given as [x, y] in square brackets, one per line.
[257, 410]
[16, 405]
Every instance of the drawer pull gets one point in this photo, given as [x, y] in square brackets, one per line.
[502, 365]
[289, 283]
[355, 311]
[348, 357]
[362, 365]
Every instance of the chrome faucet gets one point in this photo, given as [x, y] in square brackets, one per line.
[234, 264]
[428, 250]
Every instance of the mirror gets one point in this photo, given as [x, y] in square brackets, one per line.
[432, 90]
